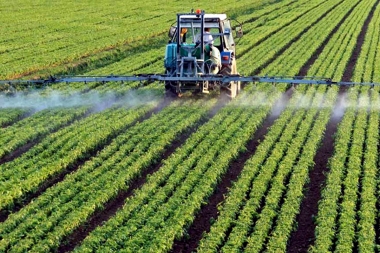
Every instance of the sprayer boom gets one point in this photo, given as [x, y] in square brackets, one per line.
[149, 78]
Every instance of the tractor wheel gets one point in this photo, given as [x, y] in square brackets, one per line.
[233, 88]
[171, 91]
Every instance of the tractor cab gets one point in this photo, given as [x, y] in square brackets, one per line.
[200, 44]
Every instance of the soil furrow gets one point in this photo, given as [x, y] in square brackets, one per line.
[252, 47]
[282, 50]
[348, 73]
[301, 239]
[201, 223]
[304, 236]
[305, 68]
[114, 205]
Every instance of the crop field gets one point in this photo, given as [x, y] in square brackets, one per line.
[117, 167]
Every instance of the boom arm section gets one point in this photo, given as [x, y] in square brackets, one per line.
[149, 78]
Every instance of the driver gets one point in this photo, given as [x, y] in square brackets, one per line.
[183, 34]
[207, 37]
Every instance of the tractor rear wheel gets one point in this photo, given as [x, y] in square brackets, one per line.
[233, 88]
[171, 91]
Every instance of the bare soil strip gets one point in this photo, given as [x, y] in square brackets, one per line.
[305, 68]
[282, 50]
[21, 150]
[252, 47]
[301, 239]
[114, 205]
[208, 212]
[348, 73]
[304, 236]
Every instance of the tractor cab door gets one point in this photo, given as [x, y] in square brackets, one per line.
[228, 37]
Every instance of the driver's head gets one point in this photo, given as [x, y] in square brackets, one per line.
[183, 30]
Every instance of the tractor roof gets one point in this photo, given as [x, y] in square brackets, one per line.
[211, 20]
[207, 16]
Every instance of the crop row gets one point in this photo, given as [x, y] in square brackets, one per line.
[286, 221]
[67, 45]
[251, 210]
[136, 62]
[266, 51]
[236, 197]
[339, 179]
[349, 196]
[266, 25]
[366, 65]
[254, 11]
[122, 88]
[148, 56]
[36, 126]
[367, 211]
[60, 151]
[329, 205]
[333, 50]
[274, 223]
[290, 209]
[368, 225]
[10, 115]
[166, 204]
[343, 43]
[66, 206]
[284, 226]
[115, 88]
[90, 29]
[287, 214]
[307, 44]
[346, 213]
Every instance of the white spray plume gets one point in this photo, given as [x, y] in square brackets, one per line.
[340, 106]
[100, 101]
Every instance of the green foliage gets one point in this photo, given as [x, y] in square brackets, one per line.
[69, 204]
[259, 211]
[38, 125]
[9, 115]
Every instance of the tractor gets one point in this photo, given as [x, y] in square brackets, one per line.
[200, 45]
